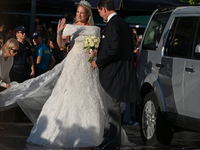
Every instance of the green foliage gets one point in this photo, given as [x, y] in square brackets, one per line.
[191, 2]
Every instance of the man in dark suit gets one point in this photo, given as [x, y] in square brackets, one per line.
[116, 71]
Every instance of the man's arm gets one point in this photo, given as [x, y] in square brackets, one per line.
[40, 55]
[38, 61]
[32, 74]
[94, 65]
[112, 51]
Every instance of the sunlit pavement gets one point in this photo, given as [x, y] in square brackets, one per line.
[13, 137]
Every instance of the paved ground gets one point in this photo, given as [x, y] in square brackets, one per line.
[13, 137]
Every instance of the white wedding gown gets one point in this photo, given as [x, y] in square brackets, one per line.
[73, 112]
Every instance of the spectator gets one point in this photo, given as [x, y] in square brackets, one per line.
[65, 50]
[1, 42]
[33, 45]
[2, 32]
[23, 67]
[54, 48]
[42, 57]
[9, 35]
[49, 31]
[22, 70]
[9, 50]
[68, 17]
[135, 37]
[2, 26]
[43, 30]
[136, 43]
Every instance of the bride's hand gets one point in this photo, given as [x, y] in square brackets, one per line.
[93, 54]
[61, 25]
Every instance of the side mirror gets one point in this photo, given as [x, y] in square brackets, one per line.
[197, 49]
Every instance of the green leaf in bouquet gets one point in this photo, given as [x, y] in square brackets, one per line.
[90, 59]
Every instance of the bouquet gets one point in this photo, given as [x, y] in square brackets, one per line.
[91, 43]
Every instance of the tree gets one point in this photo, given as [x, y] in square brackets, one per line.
[191, 2]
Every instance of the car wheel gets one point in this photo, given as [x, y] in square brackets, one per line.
[154, 128]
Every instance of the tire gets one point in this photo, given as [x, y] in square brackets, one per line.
[155, 130]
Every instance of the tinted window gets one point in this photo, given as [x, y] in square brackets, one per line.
[154, 31]
[180, 37]
[197, 43]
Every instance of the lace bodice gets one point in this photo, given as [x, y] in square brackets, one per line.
[81, 30]
[78, 33]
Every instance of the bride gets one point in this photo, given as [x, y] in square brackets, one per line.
[73, 112]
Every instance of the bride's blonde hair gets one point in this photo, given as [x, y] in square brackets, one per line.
[88, 10]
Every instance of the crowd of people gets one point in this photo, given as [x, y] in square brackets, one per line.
[26, 63]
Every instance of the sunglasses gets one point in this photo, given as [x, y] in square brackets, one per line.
[14, 50]
[22, 32]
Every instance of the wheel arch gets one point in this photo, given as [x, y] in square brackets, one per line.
[151, 83]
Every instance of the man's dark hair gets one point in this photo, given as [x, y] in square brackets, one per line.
[108, 4]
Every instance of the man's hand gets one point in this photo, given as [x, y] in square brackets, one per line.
[94, 65]
[32, 74]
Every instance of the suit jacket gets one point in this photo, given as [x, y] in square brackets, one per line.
[116, 63]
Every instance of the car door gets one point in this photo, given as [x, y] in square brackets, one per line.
[171, 73]
[192, 82]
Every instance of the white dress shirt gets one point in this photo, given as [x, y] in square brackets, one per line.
[5, 67]
[110, 16]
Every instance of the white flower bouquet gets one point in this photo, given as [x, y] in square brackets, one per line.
[91, 43]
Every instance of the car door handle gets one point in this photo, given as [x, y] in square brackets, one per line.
[159, 65]
[189, 70]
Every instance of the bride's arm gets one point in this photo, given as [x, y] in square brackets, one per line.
[61, 40]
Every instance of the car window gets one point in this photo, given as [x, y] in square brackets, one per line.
[155, 30]
[197, 43]
[180, 37]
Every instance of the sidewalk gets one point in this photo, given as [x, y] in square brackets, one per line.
[13, 137]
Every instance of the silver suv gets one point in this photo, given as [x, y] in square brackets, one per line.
[168, 71]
